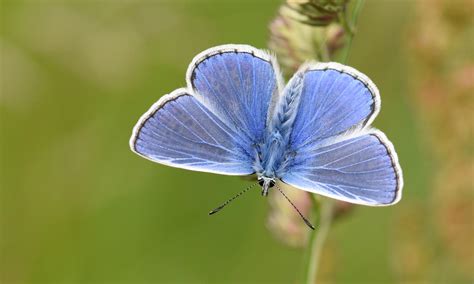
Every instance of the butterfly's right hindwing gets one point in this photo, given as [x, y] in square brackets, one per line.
[335, 153]
[335, 99]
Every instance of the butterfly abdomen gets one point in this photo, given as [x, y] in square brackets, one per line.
[287, 107]
[275, 152]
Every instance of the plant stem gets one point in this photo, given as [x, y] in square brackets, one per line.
[350, 28]
[318, 237]
[324, 212]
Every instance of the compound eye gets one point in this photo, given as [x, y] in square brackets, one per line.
[272, 183]
[260, 182]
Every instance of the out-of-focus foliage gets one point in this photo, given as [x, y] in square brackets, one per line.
[441, 43]
[76, 206]
[306, 30]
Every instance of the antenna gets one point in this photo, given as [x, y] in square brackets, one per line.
[301, 215]
[232, 199]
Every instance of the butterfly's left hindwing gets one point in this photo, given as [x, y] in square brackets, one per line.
[238, 84]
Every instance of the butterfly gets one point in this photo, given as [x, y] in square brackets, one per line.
[236, 117]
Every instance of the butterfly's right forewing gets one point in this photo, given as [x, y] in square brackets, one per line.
[363, 169]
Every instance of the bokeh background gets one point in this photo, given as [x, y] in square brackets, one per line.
[77, 206]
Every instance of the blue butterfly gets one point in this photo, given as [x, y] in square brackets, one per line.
[237, 118]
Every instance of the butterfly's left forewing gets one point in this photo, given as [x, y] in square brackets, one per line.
[179, 131]
[214, 123]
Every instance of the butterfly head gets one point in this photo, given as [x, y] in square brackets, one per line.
[266, 183]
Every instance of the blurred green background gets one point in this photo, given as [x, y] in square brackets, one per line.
[77, 206]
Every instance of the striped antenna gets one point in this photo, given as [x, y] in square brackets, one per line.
[232, 199]
[301, 215]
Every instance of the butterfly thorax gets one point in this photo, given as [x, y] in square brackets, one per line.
[274, 154]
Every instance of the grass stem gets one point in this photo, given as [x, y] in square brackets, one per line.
[318, 238]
